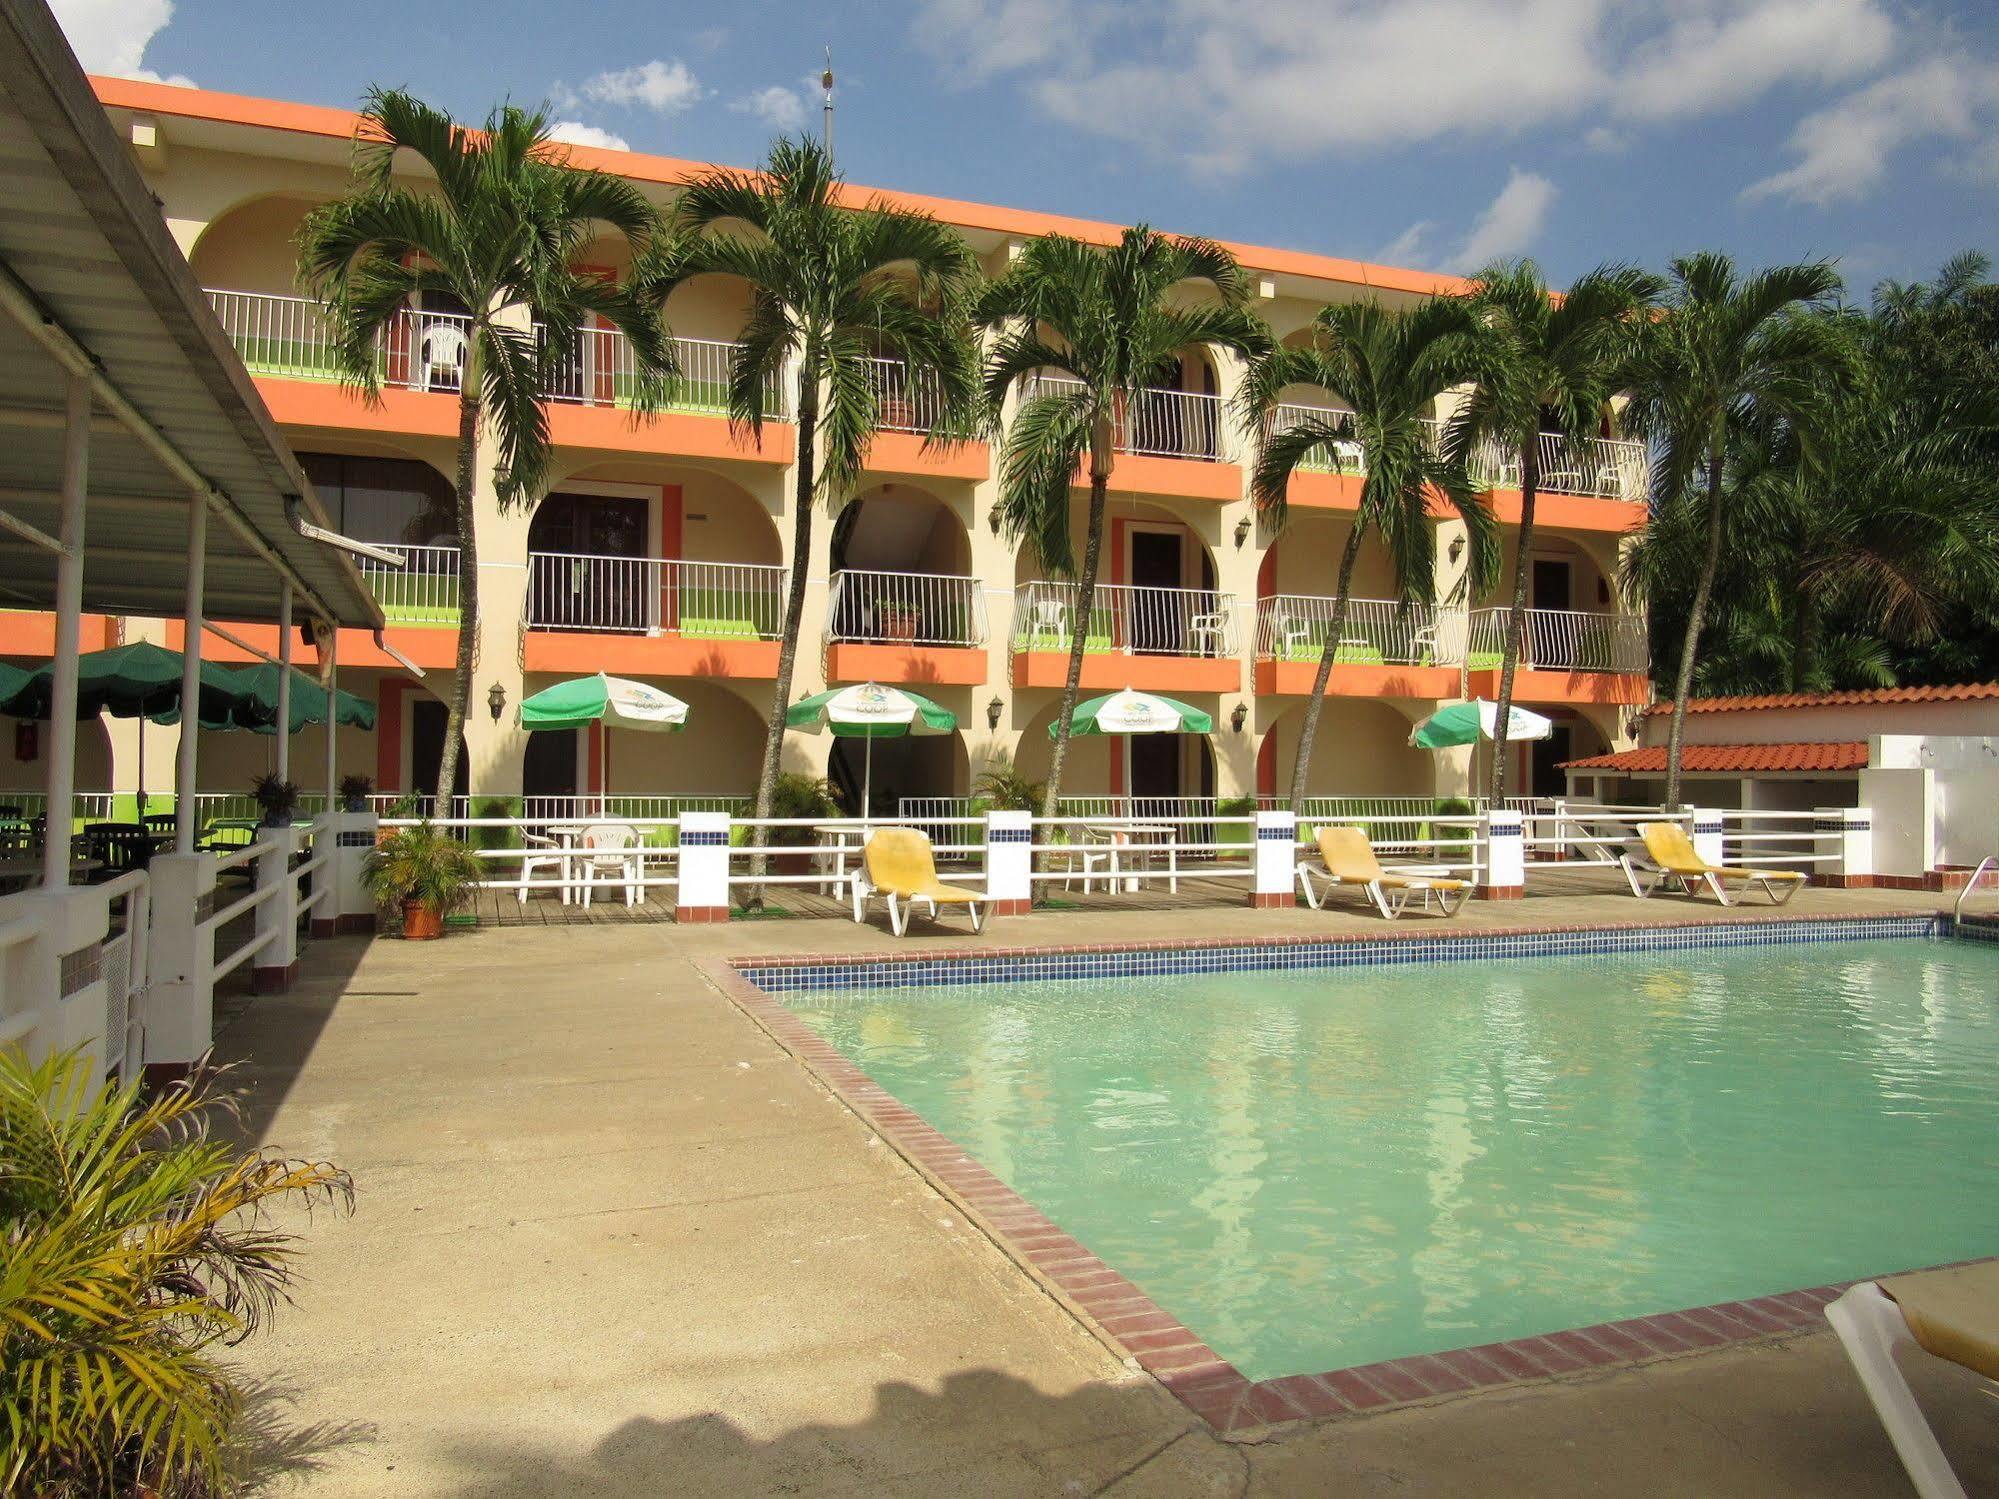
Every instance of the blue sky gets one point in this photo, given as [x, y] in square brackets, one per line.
[1436, 133]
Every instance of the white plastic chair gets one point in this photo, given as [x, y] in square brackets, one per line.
[440, 352]
[553, 859]
[615, 848]
[1209, 632]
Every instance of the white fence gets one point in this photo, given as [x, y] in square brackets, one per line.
[1126, 619]
[1566, 640]
[1158, 423]
[906, 400]
[1374, 632]
[906, 608]
[637, 595]
[292, 339]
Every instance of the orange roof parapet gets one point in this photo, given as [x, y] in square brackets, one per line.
[1949, 693]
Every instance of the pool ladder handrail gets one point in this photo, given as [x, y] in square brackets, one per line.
[1990, 861]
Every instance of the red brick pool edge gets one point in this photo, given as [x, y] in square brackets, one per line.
[1139, 1329]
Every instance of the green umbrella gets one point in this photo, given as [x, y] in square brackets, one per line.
[258, 710]
[611, 701]
[1128, 712]
[1467, 723]
[140, 680]
[12, 680]
[869, 711]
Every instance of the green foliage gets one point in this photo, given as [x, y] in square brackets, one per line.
[795, 794]
[1004, 788]
[276, 797]
[356, 788]
[136, 1245]
[421, 863]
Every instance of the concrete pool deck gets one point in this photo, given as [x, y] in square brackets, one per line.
[610, 1239]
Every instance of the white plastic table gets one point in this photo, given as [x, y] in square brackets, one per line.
[1141, 838]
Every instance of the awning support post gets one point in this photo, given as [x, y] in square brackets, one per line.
[190, 676]
[61, 781]
[284, 680]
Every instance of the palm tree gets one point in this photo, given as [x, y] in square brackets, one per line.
[832, 290]
[1387, 367]
[496, 234]
[1727, 348]
[138, 1246]
[1108, 320]
[1546, 364]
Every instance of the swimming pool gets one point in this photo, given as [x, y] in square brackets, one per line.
[1314, 1169]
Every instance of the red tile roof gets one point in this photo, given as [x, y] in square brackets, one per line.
[1951, 693]
[1829, 755]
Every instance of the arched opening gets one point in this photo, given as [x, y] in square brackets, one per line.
[253, 247]
[1155, 589]
[716, 755]
[911, 769]
[901, 571]
[1361, 749]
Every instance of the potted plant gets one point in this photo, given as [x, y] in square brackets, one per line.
[797, 795]
[276, 798]
[897, 621]
[425, 873]
[354, 792]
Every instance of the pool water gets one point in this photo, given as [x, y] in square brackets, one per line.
[1314, 1170]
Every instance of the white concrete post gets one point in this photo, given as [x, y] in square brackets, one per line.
[61, 779]
[285, 682]
[1276, 860]
[276, 964]
[1707, 833]
[180, 1007]
[190, 688]
[1851, 831]
[1503, 839]
[332, 716]
[348, 837]
[1010, 862]
[702, 894]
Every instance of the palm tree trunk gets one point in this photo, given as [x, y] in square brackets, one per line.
[469, 416]
[1516, 617]
[794, 612]
[1335, 628]
[1683, 684]
[1079, 631]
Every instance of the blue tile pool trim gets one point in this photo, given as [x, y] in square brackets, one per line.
[1030, 966]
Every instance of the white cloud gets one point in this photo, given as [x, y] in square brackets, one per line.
[665, 87]
[1406, 247]
[1844, 149]
[1605, 141]
[579, 134]
[111, 36]
[780, 108]
[1221, 86]
[1511, 223]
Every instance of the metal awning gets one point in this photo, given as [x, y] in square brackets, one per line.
[83, 244]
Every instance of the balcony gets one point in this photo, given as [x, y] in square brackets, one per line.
[1158, 638]
[1564, 640]
[1175, 442]
[423, 353]
[910, 407]
[652, 615]
[906, 627]
[423, 591]
[1386, 649]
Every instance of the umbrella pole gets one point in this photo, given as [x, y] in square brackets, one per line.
[868, 782]
[603, 770]
[139, 800]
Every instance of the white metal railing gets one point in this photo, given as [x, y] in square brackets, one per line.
[1609, 468]
[122, 961]
[1126, 619]
[906, 400]
[1987, 866]
[1158, 423]
[906, 608]
[1564, 640]
[423, 591]
[1374, 632]
[1346, 457]
[605, 373]
[292, 338]
[637, 595]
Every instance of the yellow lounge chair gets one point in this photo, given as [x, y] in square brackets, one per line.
[1672, 858]
[1347, 858]
[1952, 1314]
[903, 869]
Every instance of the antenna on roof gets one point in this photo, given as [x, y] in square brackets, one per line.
[826, 83]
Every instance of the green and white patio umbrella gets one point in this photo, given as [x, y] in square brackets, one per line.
[615, 702]
[1467, 723]
[1128, 712]
[869, 711]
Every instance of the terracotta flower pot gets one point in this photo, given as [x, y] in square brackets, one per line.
[422, 922]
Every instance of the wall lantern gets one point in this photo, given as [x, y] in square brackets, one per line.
[1237, 718]
[1457, 548]
[496, 700]
[993, 711]
[1241, 532]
